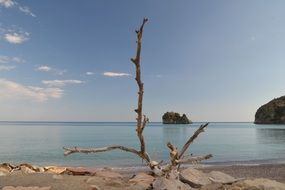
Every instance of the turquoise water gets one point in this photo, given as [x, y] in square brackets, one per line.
[231, 143]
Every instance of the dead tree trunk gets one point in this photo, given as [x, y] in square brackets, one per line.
[176, 157]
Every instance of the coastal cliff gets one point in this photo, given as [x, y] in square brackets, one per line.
[271, 113]
[175, 118]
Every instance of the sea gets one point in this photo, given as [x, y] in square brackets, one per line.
[231, 143]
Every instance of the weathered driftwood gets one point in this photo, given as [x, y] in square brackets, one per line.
[141, 119]
[194, 136]
[176, 157]
[193, 159]
[96, 150]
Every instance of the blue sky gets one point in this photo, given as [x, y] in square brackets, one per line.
[70, 60]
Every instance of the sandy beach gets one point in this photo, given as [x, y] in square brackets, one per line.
[270, 171]
[108, 179]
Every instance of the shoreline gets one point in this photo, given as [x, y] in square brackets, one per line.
[68, 181]
[236, 170]
[139, 167]
[203, 165]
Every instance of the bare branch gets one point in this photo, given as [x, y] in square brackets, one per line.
[194, 136]
[69, 151]
[192, 159]
[141, 120]
[173, 154]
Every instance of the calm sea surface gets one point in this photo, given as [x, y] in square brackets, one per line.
[231, 143]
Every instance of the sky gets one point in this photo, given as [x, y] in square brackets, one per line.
[69, 60]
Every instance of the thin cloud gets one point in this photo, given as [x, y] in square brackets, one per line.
[7, 3]
[10, 89]
[6, 68]
[113, 74]
[13, 34]
[4, 59]
[16, 38]
[61, 83]
[59, 72]
[12, 3]
[89, 73]
[7, 59]
[26, 10]
[44, 68]
[17, 60]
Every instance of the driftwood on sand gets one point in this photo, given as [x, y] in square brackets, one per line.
[176, 157]
[26, 176]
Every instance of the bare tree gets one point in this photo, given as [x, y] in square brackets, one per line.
[176, 157]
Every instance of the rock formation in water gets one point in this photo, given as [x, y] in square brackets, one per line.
[175, 118]
[271, 113]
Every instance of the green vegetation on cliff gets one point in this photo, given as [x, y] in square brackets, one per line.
[175, 118]
[271, 113]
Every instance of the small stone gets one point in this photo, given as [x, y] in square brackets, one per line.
[77, 171]
[57, 177]
[29, 166]
[25, 188]
[41, 169]
[93, 180]
[214, 186]
[8, 188]
[169, 184]
[142, 179]
[260, 183]
[106, 183]
[220, 177]
[38, 169]
[26, 170]
[55, 169]
[194, 178]
[95, 187]
[108, 174]
[3, 173]
[234, 188]
[5, 167]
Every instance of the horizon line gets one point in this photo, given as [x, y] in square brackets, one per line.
[59, 121]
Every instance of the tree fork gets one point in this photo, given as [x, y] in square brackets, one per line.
[176, 157]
